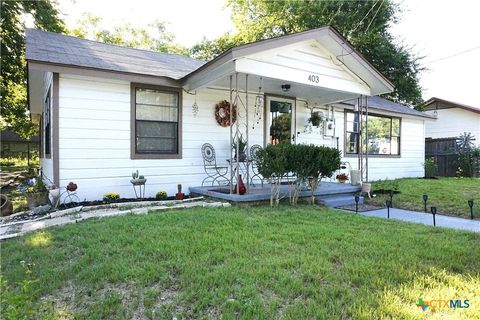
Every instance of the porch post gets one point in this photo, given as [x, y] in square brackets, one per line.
[231, 131]
[237, 131]
[366, 138]
[247, 152]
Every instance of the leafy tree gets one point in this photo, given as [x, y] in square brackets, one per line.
[364, 23]
[155, 37]
[14, 111]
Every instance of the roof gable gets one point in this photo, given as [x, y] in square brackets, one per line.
[314, 63]
[337, 48]
[437, 103]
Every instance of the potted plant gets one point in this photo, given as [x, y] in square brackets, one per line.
[35, 191]
[242, 144]
[315, 119]
[342, 177]
[180, 195]
[137, 179]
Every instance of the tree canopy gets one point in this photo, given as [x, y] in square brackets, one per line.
[364, 23]
[13, 78]
[155, 37]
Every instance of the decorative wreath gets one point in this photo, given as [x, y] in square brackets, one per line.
[222, 113]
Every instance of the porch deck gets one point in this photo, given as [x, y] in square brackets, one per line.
[259, 193]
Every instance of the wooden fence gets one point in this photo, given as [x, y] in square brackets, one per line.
[444, 151]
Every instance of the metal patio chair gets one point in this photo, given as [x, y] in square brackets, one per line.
[253, 161]
[213, 171]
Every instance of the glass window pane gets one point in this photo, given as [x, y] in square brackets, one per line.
[351, 142]
[154, 113]
[395, 145]
[156, 137]
[395, 127]
[148, 129]
[155, 145]
[378, 127]
[155, 97]
[352, 126]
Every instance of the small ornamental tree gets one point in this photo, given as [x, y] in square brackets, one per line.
[324, 162]
[272, 164]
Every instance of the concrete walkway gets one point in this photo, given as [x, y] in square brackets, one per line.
[426, 218]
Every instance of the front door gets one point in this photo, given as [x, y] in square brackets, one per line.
[280, 120]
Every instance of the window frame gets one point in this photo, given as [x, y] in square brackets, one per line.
[391, 118]
[133, 122]
[47, 121]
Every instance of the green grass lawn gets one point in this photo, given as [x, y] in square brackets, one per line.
[245, 263]
[449, 195]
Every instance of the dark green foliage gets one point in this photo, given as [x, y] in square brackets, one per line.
[430, 168]
[305, 162]
[364, 23]
[468, 156]
[13, 75]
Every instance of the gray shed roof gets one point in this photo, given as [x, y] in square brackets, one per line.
[382, 104]
[66, 50]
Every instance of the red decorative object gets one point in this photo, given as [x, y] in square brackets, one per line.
[222, 113]
[241, 186]
[179, 196]
[72, 186]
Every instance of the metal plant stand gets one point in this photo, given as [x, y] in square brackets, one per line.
[141, 191]
[68, 197]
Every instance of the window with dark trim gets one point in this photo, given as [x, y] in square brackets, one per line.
[383, 134]
[47, 127]
[156, 116]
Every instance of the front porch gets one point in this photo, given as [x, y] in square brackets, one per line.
[328, 193]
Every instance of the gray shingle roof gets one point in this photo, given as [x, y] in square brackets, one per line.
[390, 106]
[66, 50]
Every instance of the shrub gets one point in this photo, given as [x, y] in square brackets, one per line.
[305, 162]
[468, 156]
[111, 197]
[161, 194]
[430, 168]
[272, 164]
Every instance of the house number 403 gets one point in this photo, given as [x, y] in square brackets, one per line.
[313, 78]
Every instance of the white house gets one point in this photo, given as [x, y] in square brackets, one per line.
[453, 119]
[108, 110]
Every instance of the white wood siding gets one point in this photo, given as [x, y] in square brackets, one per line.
[300, 61]
[95, 139]
[94, 127]
[453, 122]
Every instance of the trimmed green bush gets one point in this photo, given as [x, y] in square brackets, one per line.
[305, 162]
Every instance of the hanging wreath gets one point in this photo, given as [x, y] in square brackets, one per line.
[222, 113]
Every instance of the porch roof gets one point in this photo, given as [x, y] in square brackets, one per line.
[322, 53]
[385, 105]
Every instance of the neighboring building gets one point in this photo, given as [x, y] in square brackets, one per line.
[14, 146]
[107, 110]
[453, 119]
